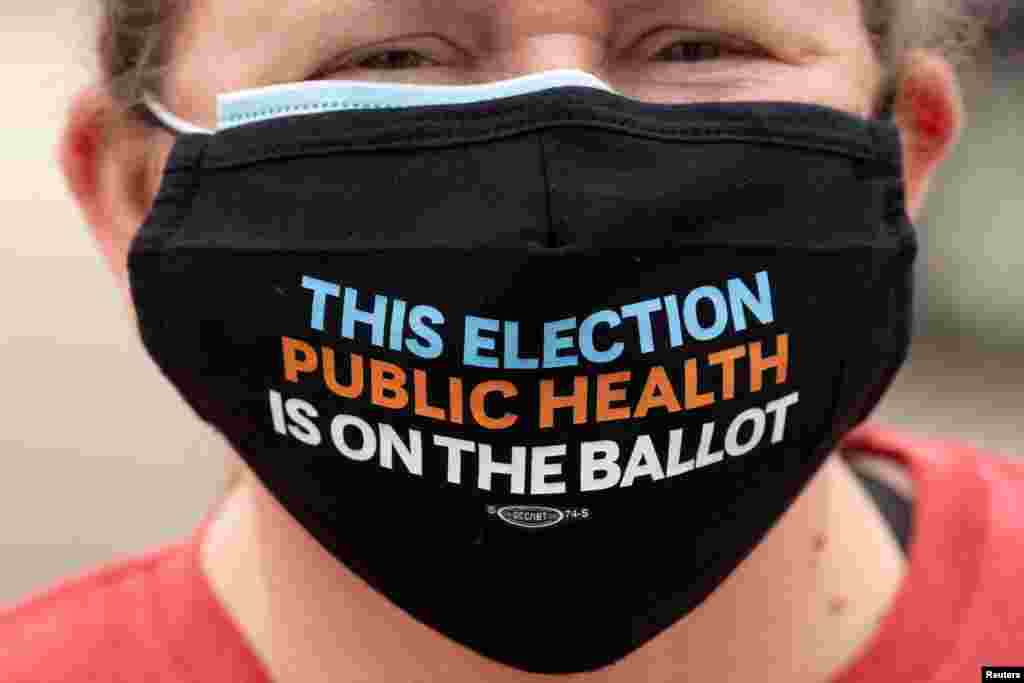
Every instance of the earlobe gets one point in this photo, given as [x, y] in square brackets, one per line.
[79, 152]
[930, 114]
[105, 166]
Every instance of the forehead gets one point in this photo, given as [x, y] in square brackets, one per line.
[240, 16]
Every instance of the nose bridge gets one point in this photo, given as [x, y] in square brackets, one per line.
[553, 34]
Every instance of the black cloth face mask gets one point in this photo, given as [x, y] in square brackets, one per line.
[542, 370]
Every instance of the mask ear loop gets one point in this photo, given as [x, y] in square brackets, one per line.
[157, 114]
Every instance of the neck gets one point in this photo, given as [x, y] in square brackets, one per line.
[797, 609]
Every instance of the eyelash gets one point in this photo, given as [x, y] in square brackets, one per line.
[361, 63]
[694, 51]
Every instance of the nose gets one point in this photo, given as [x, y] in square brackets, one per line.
[541, 52]
[554, 34]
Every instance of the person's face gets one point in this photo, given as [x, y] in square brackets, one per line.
[670, 51]
[814, 51]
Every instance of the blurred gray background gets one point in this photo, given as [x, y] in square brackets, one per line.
[100, 458]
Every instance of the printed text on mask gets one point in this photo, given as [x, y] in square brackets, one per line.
[391, 323]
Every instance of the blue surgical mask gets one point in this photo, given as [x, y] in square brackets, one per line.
[316, 97]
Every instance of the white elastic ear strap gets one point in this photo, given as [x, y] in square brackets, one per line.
[170, 120]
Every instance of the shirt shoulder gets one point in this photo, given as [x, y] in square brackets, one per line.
[993, 623]
[73, 630]
[149, 618]
[965, 564]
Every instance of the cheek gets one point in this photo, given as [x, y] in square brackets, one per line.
[223, 46]
[839, 85]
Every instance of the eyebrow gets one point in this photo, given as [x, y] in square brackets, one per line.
[478, 16]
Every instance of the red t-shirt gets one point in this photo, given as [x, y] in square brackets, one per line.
[155, 619]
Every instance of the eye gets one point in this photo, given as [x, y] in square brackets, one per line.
[691, 46]
[393, 60]
[691, 51]
[399, 58]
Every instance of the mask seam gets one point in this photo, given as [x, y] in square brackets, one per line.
[861, 143]
[546, 179]
[260, 115]
[575, 106]
[424, 136]
[895, 245]
[193, 191]
[185, 196]
[181, 196]
[313, 149]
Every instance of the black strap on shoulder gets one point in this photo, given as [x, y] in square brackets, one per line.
[897, 509]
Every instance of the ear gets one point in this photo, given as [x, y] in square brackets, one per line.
[112, 168]
[930, 114]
